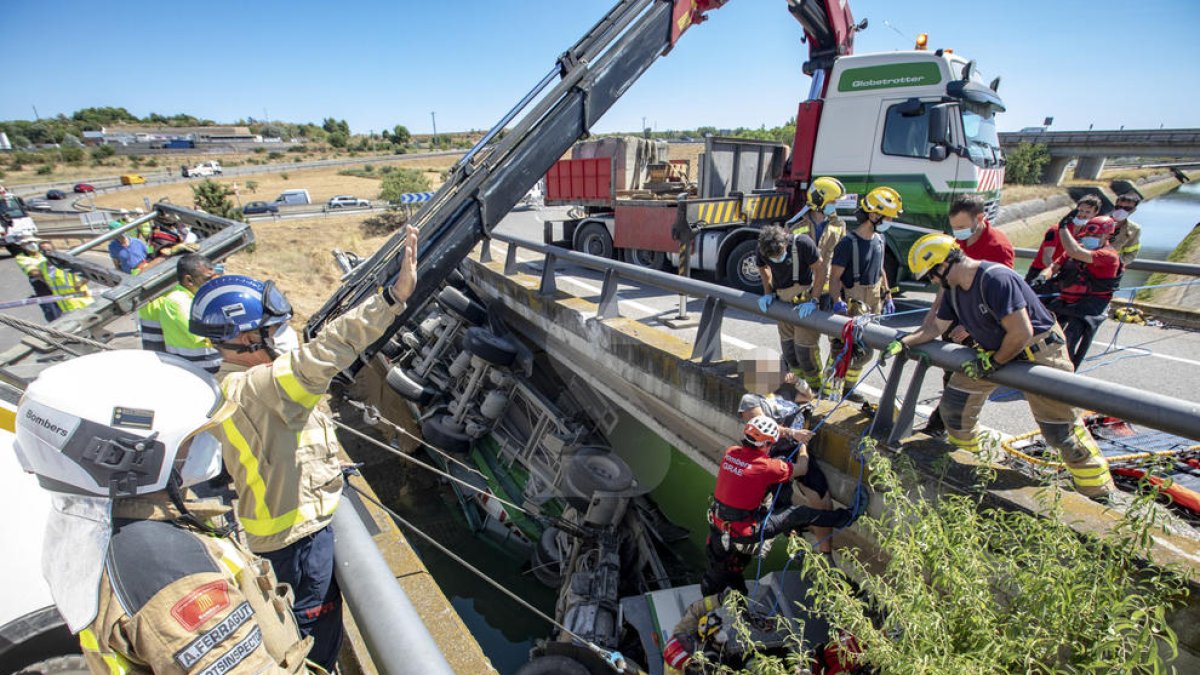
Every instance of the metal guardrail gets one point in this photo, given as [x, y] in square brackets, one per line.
[1144, 407]
[1163, 266]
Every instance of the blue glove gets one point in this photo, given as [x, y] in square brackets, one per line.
[616, 660]
[840, 307]
[764, 301]
[806, 308]
[889, 307]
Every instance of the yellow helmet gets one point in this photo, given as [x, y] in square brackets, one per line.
[930, 251]
[825, 190]
[884, 201]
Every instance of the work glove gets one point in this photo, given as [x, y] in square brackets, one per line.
[826, 304]
[840, 307]
[889, 307]
[980, 366]
[765, 300]
[616, 661]
[676, 654]
[893, 348]
[805, 308]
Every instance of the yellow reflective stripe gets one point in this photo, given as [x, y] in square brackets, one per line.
[117, 664]
[265, 527]
[970, 445]
[250, 464]
[231, 558]
[8, 419]
[291, 386]
[311, 436]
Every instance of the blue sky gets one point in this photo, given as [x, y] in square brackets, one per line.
[377, 63]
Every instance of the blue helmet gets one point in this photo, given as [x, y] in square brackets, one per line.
[228, 305]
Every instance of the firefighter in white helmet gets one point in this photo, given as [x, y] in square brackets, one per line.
[134, 565]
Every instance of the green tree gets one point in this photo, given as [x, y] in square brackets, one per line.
[252, 186]
[402, 181]
[1024, 163]
[103, 151]
[339, 139]
[92, 119]
[213, 197]
[72, 155]
[400, 135]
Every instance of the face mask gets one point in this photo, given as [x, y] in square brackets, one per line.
[1090, 243]
[830, 209]
[31, 249]
[963, 235]
[1120, 214]
[203, 460]
[778, 259]
[1079, 222]
[286, 339]
[883, 227]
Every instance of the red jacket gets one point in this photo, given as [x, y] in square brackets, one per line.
[745, 476]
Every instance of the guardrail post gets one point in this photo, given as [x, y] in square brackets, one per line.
[708, 335]
[608, 296]
[904, 421]
[884, 414]
[510, 260]
[485, 253]
[549, 286]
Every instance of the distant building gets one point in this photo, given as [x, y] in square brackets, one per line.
[4, 144]
[160, 136]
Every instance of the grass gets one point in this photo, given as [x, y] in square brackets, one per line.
[1014, 194]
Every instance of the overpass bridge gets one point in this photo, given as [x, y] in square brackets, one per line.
[1093, 148]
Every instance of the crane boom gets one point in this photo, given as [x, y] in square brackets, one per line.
[489, 180]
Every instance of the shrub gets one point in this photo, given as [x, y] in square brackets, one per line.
[402, 181]
[275, 155]
[1024, 164]
[384, 223]
[283, 175]
[45, 170]
[73, 155]
[252, 186]
[259, 151]
[102, 151]
[213, 197]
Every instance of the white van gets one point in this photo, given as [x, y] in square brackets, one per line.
[293, 197]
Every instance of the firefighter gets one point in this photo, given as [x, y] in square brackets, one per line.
[164, 321]
[1089, 272]
[788, 265]
[1006, 320]
[281, 452]
[133, 566]
[63, 283]
[1127, 235]
[858, 283]
[820, 222]
[739, 524]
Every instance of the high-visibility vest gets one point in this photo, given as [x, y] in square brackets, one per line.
[62, 282]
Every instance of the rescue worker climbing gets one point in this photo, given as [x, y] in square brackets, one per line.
[739, 524]
[135, 570]
[820, 222]
[1088, 272]
[164, 321]
[858, 283]
[281, 452]
[1004, 317]
[788, 265]
[64, 283]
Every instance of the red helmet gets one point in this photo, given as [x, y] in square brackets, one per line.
[1100, 226]
[761, 431]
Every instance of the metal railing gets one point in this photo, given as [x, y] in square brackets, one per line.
[1163, 266]
[1136, 405]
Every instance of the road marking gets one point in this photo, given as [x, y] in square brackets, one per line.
[740, 344]
[1146, 352]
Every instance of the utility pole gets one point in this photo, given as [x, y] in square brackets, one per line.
[35, 114]
[433, 115]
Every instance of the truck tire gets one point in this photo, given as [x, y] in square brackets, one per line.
[593, 239]
[546, 559]
[458, 304]
[402, 383]
[441, 432]
[59, 665]
[591, 469]
[740, 271]
[654, 260]
[553, 664]
[496, 350]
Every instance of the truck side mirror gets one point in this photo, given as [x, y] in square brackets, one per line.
[939, 124]
[937, 153]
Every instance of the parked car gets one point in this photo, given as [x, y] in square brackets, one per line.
[55, 194]
[84, 187]
[259, 207]
[290, 197]
[132, 179]
[347, 200]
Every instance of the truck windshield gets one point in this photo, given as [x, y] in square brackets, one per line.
[12, 208]
[983, 145]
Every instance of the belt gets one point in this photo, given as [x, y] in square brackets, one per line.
[1053, 338]
[732, 514]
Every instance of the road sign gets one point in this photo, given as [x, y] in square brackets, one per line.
[415, 197]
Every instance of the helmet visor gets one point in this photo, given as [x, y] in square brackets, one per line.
[275, 304]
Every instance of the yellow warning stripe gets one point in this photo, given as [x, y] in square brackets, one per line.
[1009, 446]
[8, 418]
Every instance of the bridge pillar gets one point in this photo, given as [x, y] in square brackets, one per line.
[1055, 171]
[1089, 168]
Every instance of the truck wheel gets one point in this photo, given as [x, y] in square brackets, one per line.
[461, 306]
[546, 559]
[654, 260]
[554, 664]
[404, 384]
[593, 468]
[441, 432]
[740, 271]
[593, 239]
[490, 347]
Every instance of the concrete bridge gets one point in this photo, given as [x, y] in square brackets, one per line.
[1093, 148]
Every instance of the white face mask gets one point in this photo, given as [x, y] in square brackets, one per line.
[1079, 222]
[286, 339]
[1120, 214]
[203, 460]
[883, 226]
[963, 235]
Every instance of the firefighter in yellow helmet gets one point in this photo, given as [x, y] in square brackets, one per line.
[818, 221]
[1004, 317]
[858, 282]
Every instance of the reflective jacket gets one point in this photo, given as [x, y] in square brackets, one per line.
[30, 263]
[834, 230]
[62, 282]
[173, 600]
[282, 452]
[164, 326]
[1127, 240]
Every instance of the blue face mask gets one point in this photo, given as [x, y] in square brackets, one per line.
[963, 235]
[1090, 243]
[830, 209]
[779, 259]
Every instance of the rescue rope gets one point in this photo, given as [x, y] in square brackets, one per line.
[32, 329]
[373, 413]
[612, 657]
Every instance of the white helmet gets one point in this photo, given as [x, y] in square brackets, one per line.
[760, 431]
[117, 424]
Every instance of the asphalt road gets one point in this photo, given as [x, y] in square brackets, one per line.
[1164, 360]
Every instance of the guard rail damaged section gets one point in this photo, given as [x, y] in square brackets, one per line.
[1162, 266]
[1143, 407]
[488, 182]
